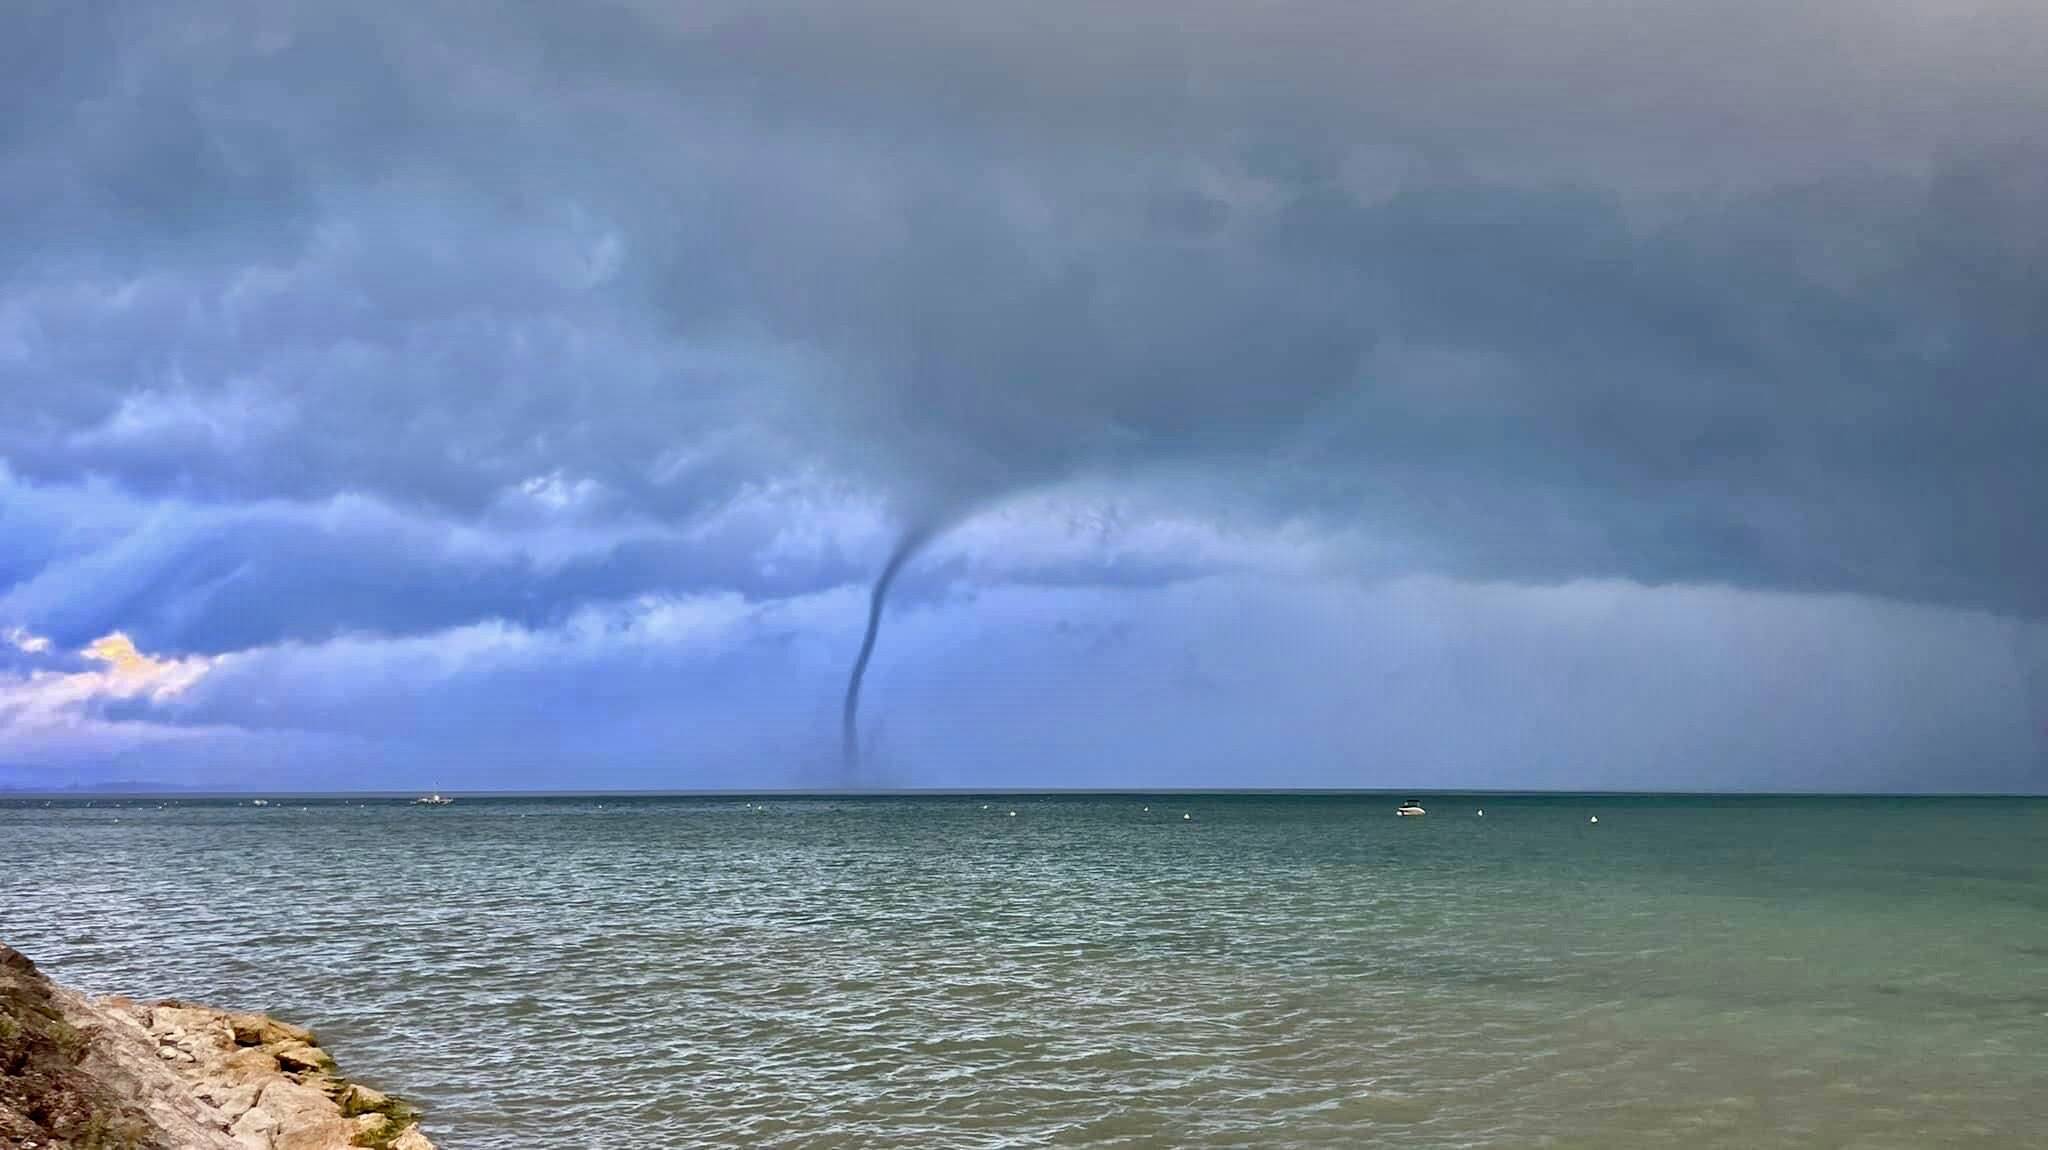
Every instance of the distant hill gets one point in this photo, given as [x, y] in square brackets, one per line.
[109, 787]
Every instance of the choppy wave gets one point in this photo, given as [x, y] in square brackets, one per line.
[1270, 972]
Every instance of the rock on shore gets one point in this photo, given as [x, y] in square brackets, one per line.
[80, 1073]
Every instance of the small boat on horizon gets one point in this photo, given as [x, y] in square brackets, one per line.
[434, 800]
[1410, 809]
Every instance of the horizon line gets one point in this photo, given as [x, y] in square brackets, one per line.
[169, 791]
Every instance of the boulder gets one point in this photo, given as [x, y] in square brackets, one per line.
[249, 1064]
[255, 1127]
[263, 1030]
[360, 1099]
[231, 1099]
[298, 1058]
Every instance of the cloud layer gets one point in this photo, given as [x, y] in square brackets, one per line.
[389, 336]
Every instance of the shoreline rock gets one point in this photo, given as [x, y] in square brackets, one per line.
[83, 1073]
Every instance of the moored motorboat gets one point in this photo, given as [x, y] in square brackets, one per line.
[1410, 809]
[433, 800]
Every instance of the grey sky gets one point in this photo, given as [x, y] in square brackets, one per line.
[333, 332]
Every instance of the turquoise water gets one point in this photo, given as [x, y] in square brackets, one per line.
[1274, 971]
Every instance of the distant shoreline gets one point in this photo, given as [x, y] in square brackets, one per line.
[78, 795]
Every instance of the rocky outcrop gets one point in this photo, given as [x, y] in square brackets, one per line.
[79, 1073]
[47, 1097]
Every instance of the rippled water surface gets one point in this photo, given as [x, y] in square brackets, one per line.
[938, 972]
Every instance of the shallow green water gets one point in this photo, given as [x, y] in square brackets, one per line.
[1275, 971]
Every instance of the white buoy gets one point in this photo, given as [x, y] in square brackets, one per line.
[1013, 814]
[1482, 814]
[1187, 818]
[1594, 819]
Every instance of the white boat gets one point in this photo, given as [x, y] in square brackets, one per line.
[1410, 809]
[433, 800]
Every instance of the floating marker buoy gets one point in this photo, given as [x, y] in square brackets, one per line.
[1594, 819]
[1482, 814]
[1187, 818]
[1013, 814]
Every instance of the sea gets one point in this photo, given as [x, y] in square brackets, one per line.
[1167, 970]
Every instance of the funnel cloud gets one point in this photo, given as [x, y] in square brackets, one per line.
[907, 546]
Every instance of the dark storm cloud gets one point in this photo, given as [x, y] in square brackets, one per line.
[1748, 295]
